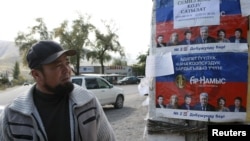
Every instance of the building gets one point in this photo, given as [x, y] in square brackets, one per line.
[121, 70]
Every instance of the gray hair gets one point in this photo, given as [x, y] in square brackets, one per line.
[203, 94]
[203, 28]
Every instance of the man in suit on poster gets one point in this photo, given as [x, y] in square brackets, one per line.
[187, 103]
[188, 36]
[203, 105]
[237, 107]
[160, 102]
[204, 36]
[237, 38]
[160, 42]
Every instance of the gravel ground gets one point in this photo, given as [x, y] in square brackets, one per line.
[129, 122]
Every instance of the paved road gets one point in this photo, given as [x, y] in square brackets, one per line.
[129, 122]
[9, 94]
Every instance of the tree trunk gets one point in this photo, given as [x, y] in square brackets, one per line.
[77, 63]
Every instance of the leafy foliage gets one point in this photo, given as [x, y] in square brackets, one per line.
[4, 79]
[35, 33]
[76, 37]
[139, 68]
[119, 62]
[103, 45]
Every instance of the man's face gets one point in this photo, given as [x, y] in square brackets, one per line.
[160, 39]
[237, 34]
[188, 36]
[160, 100]
[237, 102]
[203, 100]
[188, 100]
[204, 34]
[55, 76]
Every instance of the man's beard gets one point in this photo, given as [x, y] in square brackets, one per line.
[61, 89]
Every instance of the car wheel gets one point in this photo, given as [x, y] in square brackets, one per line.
[119, 102]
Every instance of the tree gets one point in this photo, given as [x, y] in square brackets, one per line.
[139, 68]
[103, 45]
[75, 38]
[16, 71]
[142, 58]
[119, 62]
[17, 78]
[25, 40]
[4, 80]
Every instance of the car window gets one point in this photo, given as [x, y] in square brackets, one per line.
[124, 78]
[91, 83]
[77, 81]
[102, 83]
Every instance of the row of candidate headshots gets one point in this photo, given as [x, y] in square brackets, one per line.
[203, 37]
[202, 105]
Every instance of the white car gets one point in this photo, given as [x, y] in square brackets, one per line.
[103, 90]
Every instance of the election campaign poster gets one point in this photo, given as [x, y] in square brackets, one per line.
[210, 60]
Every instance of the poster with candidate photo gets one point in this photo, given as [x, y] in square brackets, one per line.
[210, 58]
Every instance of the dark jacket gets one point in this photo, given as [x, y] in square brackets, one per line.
[242, 40]
[232, 108]
[184, 106]
[207, 108]
[158, 106]
[185, 42]
[209, 39]
[161, 45]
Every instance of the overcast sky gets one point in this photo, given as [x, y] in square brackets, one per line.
[132, 18]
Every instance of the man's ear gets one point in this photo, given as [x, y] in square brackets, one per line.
[36, 74]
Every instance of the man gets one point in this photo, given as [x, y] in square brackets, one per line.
[188, 36]
[54, 109]
[204, 36]
[187, 102]
[160, 102]
[237, 107]
[237, 38]
[203, 105]
[160, 41]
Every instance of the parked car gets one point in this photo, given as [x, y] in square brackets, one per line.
[140, 77]
[128, 80]
[103, 90]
